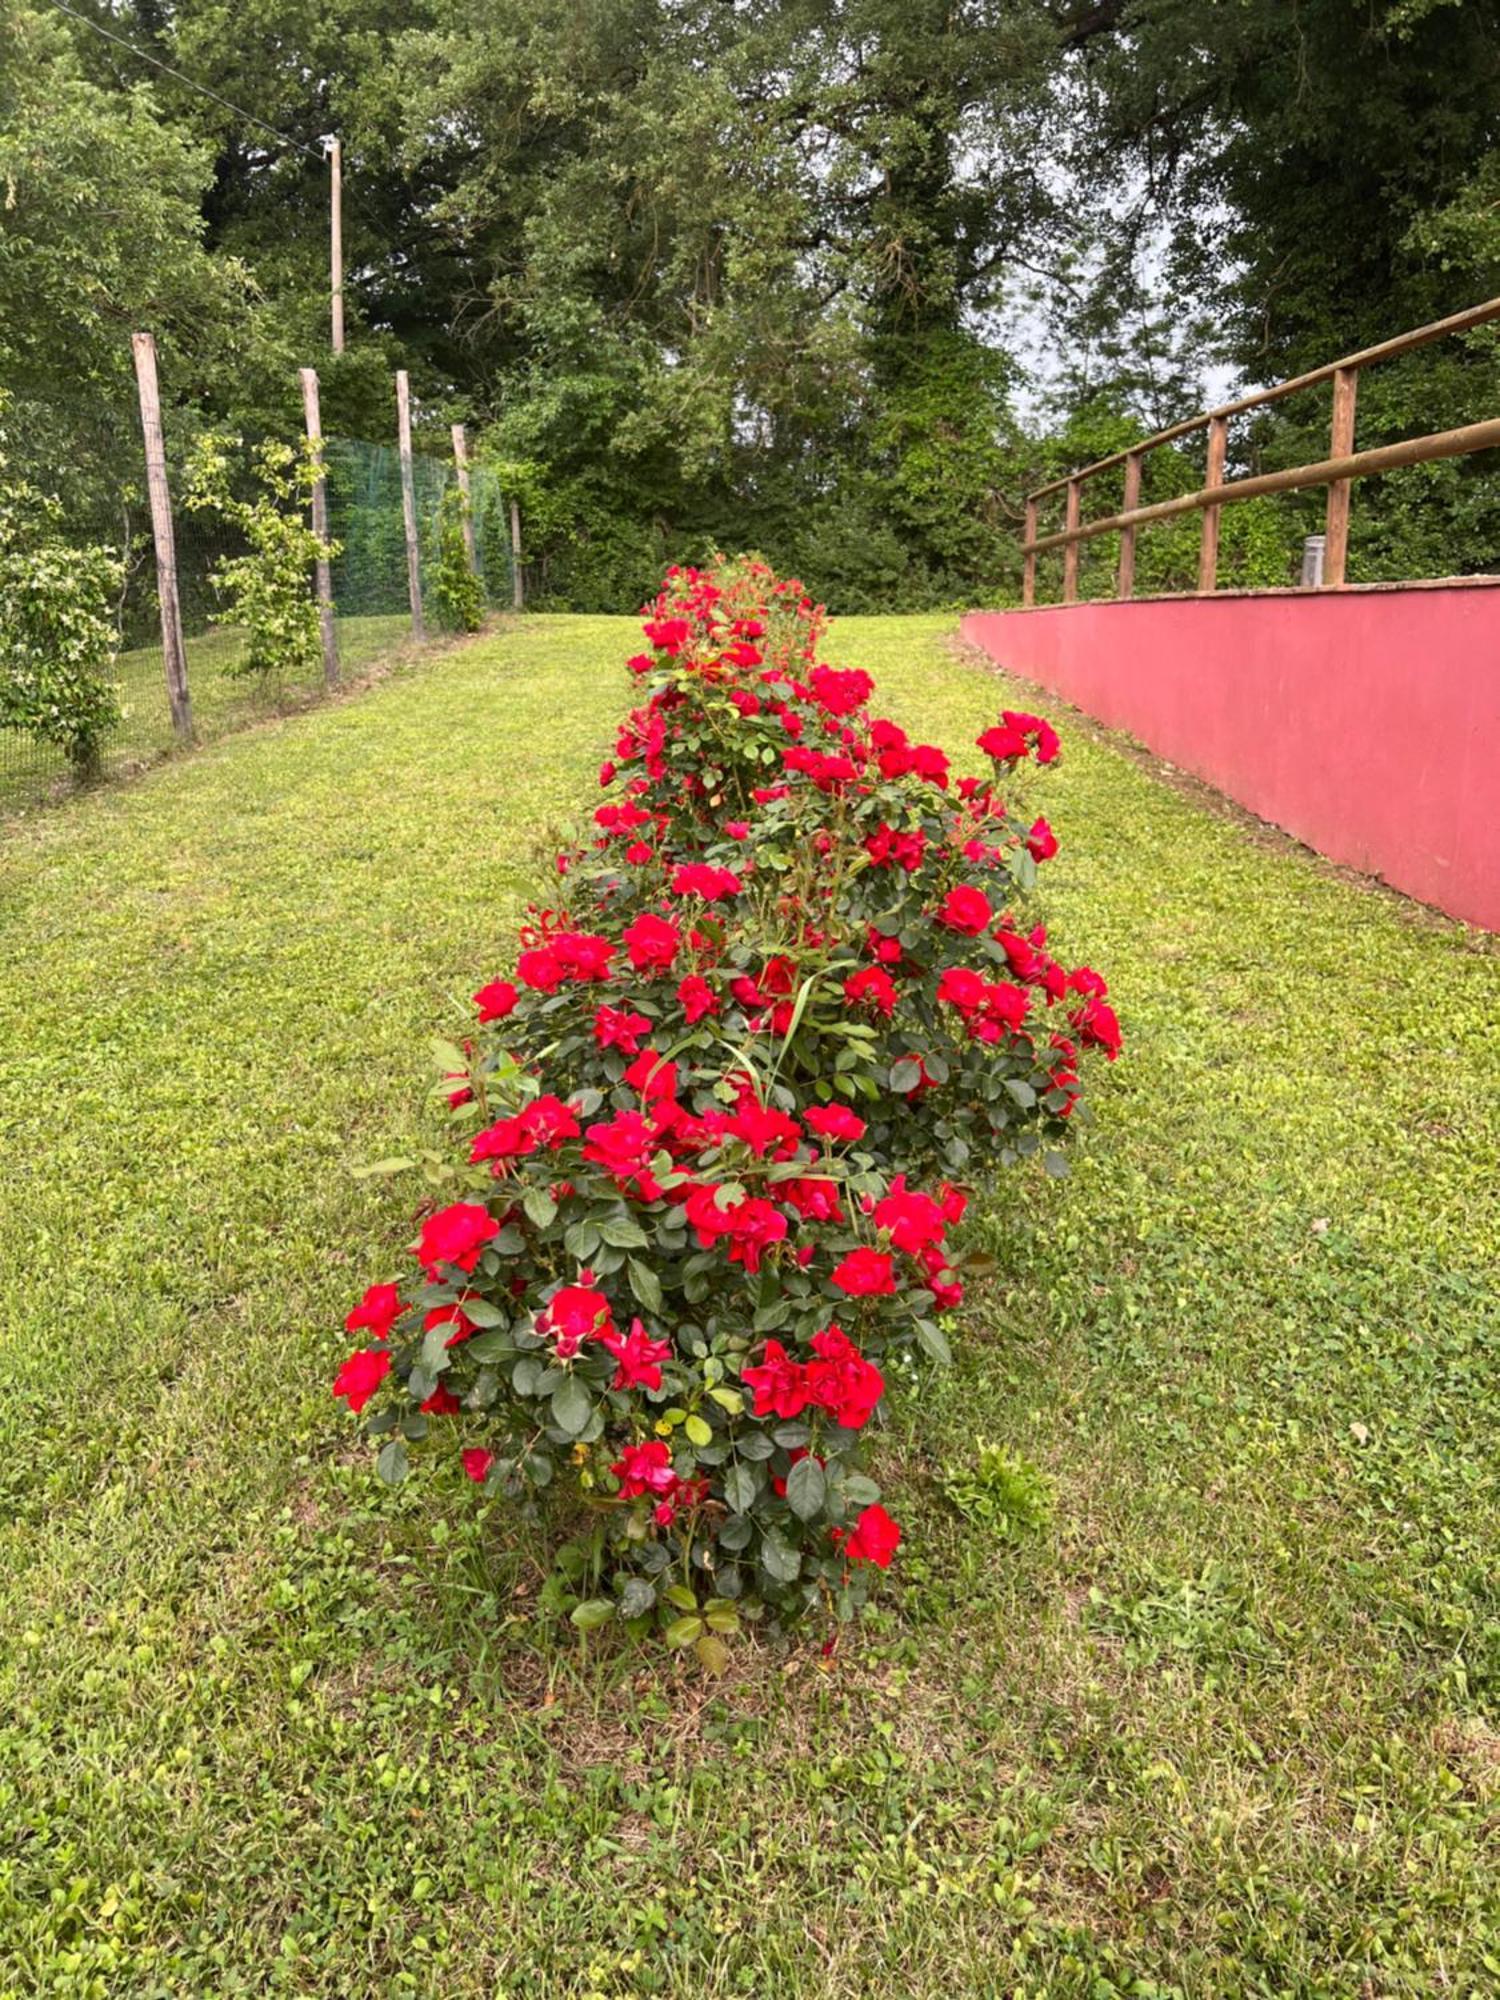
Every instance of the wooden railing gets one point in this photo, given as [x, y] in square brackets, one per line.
[1342, 465]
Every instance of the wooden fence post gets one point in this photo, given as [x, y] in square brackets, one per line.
[1070, 549]
[1208, 546]
[313, 423]
[1125, 577]
[336, 240]
[173, 651]
[461, 466]
[1340, 445]
[1028, 556]
[518, 587]
[409, 506]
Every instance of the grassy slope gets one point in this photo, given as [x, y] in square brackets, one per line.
[222, 701]
[265, 1728]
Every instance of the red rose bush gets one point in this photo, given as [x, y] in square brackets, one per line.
[714, 1130]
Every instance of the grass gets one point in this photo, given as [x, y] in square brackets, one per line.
[31, 772]
[1187, 1685]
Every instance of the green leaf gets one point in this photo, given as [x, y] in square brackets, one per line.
[712, 1653]
[571, 1406]
[683, 1631]
[581, 1240]
[698, 1432]
[742, 1483]
[623, 1233]
[806, 1489]
[381, 1167]
[934, 1342]
[637, 1597]
[539, 1205]
[644, 1283]
[905, 1076]
[1056, 1164]
[392, 1462]
[728, 1399]
[681, 1596]
[720, 1615]
[779, 1559]
[593, 1612]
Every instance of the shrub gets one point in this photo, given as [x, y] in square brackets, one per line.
[716, 1125]
[457, 592]
[268, 589]
[57, 628]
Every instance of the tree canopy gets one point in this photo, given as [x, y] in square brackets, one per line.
[764, 274]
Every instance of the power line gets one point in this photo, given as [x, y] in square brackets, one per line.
[201, 88]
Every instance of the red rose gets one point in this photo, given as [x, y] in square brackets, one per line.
[965, 909]
[361, 1375]
[698, 998]
[835, 1121]
[644, 1468]
[911, 1220]
[841, 1381]
[496, 1000]
[779, 1383]
[699, 878]
[575, 1314]
[874, 988]
[455, 1235]
[617, 1029]
[378, 1311]
[652, 943]
[1041, 842]
[540, 970]
[865, 1274]
[477, 1463]
[639, 1357]
[875, 1538]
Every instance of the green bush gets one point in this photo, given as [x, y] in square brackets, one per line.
[457, 593]
[57, 628]
[267, 590]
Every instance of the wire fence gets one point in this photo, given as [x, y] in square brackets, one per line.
[373, 617]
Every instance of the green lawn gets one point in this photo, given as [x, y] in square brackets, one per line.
[1224, 1727]
[222, 701]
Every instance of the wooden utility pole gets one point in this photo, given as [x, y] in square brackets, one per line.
[173, 652]
[1208, 545]
[461, 466]
[1340, 445]
[314, 425]
[409, 505]
[517, 584]
[336, 239]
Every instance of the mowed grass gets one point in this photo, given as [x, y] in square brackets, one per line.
[222, 700]
[1224, 1726]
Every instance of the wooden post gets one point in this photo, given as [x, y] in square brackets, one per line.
[1208, 546]
[1028, 556]
[1125, 578]
[518, 586]
[461, 465]
[336, 239]
[409, 505]
[173, 652]
[1341, 445]
[1070, 549]
[314, 426]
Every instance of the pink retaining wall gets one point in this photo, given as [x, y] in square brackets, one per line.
[1365, 722]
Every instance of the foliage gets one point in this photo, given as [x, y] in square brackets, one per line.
[57, 626]
[1000, 1491]
[705, 1217]
[267, 589]
[457, 593]
[226, 1639]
